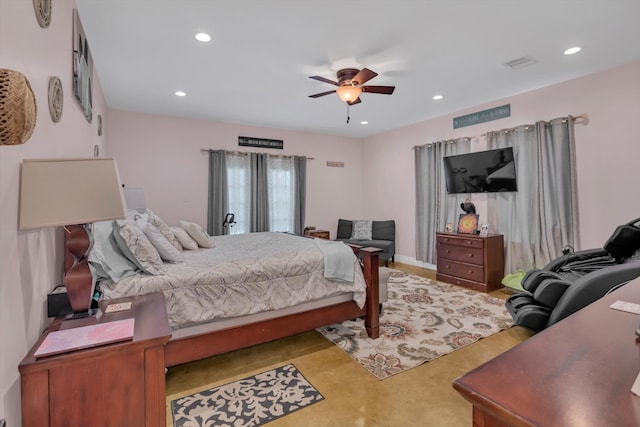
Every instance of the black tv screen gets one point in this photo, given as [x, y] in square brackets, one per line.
[488, 171]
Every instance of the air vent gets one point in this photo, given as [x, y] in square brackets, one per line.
[335, 164]
[521, 62]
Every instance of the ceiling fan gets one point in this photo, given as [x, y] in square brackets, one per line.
[350, 81]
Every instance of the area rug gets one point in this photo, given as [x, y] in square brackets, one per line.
[250, 402]
[422, 320]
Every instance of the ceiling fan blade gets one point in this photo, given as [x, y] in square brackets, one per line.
[322, 79]
[364, 76]
[385, 90]
[355, 101]
[317, 95]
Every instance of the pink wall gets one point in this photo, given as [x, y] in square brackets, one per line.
[30, 261]
[607, 152]
[162, 155]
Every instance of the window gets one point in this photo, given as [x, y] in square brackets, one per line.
[280, 188]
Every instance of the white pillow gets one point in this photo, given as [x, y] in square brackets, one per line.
[198, 234]
[166, 250]
[362, 230]
[185, 240]
[159, 223]
[137, 247]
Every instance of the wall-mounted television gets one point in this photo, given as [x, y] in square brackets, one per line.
[488, 171]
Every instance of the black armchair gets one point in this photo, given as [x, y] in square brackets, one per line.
[576, 279]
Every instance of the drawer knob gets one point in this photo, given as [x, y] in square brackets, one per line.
[446, 239]
[470, 255]
[447, 266]
[469, 242]
[448, 251]
[470, 271]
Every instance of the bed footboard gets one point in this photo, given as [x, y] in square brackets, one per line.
[187, 349]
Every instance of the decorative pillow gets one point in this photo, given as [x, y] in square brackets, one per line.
[166, 250]
[106, 258]
[198, 234]
[362, 230]
[185, 240]
[137, 247]
[156, 221]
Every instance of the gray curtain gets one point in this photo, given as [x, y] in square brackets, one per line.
[540, 218]
[259, 193]
[434, 207]
[217, 202]
[300, 195]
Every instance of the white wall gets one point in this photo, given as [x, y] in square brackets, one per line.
[162, 155]
[31, 261]
[607, 152]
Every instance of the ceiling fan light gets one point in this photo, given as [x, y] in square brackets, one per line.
[348, 93]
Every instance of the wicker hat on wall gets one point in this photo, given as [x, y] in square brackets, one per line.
[18, 109]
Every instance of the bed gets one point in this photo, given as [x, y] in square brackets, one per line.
[246, 290]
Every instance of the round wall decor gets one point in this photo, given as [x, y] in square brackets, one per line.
[55, 99]
[43, 12]
[99, 125]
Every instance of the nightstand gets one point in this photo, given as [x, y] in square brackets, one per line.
[121, 384]
[320, 234]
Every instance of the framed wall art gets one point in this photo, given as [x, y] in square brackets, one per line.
[82, 69]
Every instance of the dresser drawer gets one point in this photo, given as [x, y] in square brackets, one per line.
[457, 240]
[471, 272]
[460, 253]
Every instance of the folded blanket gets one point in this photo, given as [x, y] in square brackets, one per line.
[339, 260]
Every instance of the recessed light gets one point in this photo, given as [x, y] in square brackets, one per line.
[203, 37]
[364, 122]
[437, 97]
[180, 93]
[572, 50]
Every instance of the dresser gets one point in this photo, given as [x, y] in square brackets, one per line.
[470, 260]
[114, 385]
[576, 373]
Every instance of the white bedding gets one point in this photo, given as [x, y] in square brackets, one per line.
[243, 274]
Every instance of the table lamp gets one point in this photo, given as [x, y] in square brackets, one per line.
[69, 192]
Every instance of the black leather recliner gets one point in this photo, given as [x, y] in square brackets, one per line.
[576, 279]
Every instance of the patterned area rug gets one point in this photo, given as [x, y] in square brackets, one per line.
[422, 320]
[252, 401]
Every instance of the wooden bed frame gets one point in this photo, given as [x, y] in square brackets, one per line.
[195, 347]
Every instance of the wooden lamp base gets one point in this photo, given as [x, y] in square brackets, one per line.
[78, 279]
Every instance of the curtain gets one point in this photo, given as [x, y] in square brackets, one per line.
[281, 193]
[266, 193]
[259, 190]
[217, 204]
[300, 193]
[540, 218]
[434, 207]
[238, 191]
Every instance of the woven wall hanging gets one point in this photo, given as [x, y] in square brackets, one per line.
[18, 110]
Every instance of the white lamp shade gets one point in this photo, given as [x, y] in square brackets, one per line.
[56, 192]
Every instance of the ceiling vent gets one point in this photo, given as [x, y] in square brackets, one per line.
[521, 62]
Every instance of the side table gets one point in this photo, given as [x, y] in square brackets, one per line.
[119, 385]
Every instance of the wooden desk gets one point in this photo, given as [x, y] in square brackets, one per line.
[119, 384]
[578, 372]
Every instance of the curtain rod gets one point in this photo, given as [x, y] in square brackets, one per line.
[579, 118]
[244, 153]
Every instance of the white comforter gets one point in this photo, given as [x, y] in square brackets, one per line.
[243, 274]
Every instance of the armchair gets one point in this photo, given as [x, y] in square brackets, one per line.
[576, 279]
